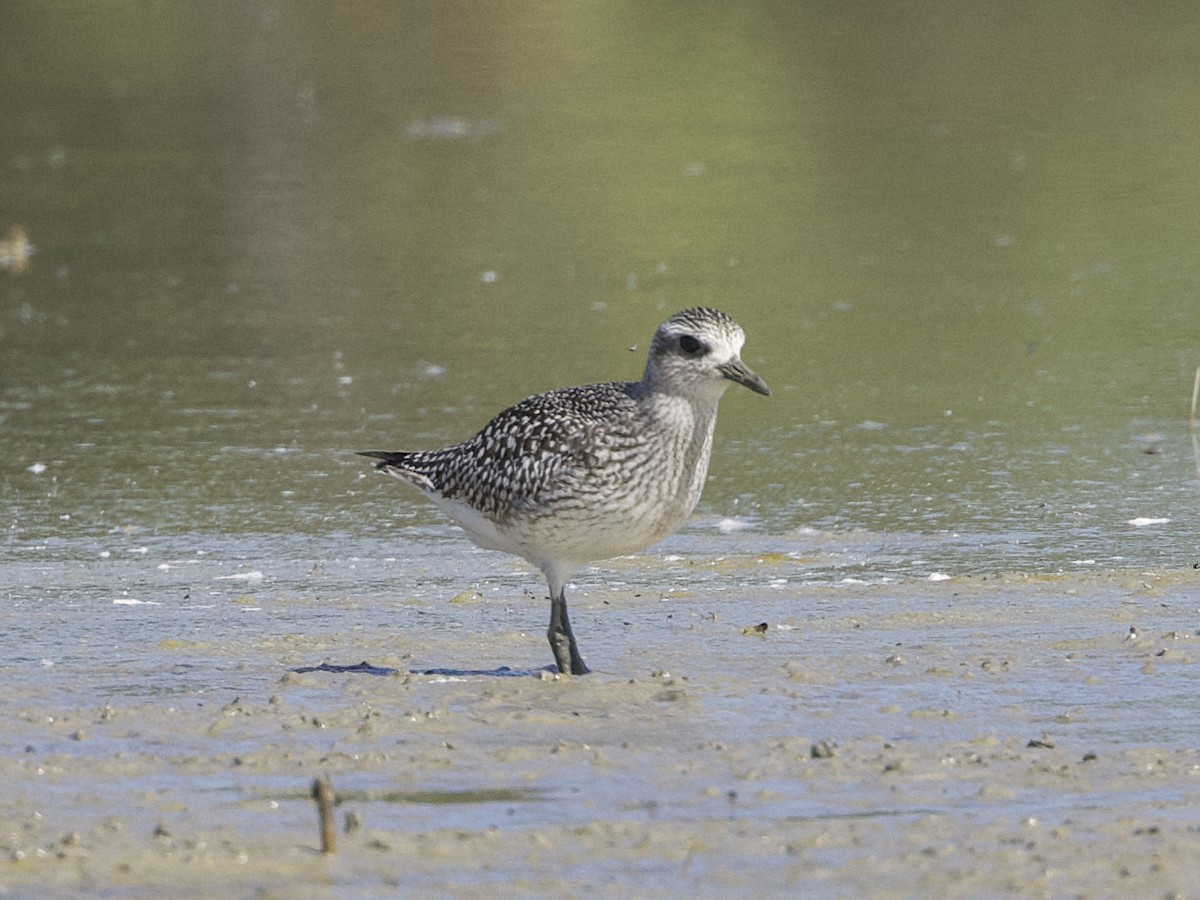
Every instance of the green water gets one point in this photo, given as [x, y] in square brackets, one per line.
[962, 242]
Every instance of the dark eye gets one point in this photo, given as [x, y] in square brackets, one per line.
[691, 346]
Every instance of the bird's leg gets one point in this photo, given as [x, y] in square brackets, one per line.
[562, 639]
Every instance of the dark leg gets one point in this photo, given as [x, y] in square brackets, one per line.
[562, 639]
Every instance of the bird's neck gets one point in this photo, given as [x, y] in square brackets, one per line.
[687, 422]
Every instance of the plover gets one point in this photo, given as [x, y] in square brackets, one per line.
[585, 473]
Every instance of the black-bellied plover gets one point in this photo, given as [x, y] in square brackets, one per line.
[586, 473]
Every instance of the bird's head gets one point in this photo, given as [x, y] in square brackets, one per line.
[696, 353]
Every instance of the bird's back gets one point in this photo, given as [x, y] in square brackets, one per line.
[528, 455]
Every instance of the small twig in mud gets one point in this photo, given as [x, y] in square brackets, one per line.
[322, 792]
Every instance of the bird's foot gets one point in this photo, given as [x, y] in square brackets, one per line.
[562, 639]
[566, 654]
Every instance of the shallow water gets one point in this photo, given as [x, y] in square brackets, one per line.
[962, 244]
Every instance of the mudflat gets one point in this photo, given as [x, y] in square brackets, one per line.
[1026, 735]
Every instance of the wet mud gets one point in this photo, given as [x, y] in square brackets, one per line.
[1024, 735]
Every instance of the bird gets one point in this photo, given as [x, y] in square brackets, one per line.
[579, 474]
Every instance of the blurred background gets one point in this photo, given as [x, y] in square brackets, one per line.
[244, 239]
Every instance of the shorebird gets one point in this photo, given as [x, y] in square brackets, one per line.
[586, 473]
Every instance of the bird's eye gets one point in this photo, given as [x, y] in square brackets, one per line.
[690, 345]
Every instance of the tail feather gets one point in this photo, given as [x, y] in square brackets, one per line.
[387, 458]
[398, 464]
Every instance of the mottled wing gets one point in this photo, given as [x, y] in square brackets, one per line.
[530, 457]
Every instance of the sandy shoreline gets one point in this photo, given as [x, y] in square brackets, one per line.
[972, 737]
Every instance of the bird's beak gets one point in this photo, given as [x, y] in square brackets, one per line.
[736, 370]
